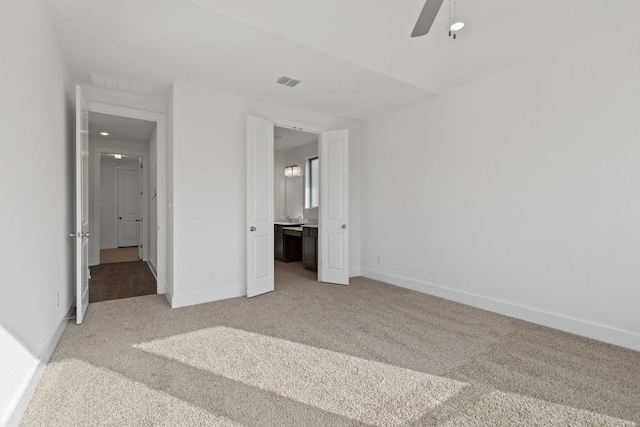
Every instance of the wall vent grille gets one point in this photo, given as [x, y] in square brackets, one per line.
[120, 84]
[287, 81]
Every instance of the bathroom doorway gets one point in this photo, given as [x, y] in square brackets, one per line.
[332, 211]
[296, 204]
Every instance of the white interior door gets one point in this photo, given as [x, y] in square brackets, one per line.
[129, 212]
[81, 233]
[259, 206]
[333, 244]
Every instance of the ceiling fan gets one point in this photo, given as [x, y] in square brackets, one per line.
[428, 15]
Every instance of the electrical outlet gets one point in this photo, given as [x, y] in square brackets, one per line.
[58, 299]
[212, 274]
[378, 259]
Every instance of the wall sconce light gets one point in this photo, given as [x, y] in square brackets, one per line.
[293, 170]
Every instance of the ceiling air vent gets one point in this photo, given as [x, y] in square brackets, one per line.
[123, 85]
[287, 81]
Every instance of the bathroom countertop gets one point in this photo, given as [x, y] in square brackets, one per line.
[296, 224]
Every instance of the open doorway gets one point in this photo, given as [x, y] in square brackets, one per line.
[296, 204]
[86, 231]
[333, 206]
[122, 212]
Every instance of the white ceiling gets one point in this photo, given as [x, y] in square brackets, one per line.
[120, 128]
[355, 58]
[288, 139]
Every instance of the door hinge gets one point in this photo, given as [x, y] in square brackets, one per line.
[141, 193]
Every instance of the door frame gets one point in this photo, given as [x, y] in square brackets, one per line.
[161, 169]
[295, 125]
[144, 236]
[310, 128]
[97, 190]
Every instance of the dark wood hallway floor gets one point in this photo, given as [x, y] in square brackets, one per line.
[121, 280]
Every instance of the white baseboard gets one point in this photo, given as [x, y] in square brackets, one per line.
[355, 272]
[108, 246]
[584, 328]
[30, 387]
[153, 269]
[169, 298]
[178, 301]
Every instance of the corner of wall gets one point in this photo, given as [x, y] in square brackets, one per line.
[169, 256]
[26, 393]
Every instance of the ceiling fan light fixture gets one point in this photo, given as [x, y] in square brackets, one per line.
[457, 26]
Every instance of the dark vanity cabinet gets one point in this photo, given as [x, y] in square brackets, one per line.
[292, 245]
[278, 243]
[310, 248]
[287, 244]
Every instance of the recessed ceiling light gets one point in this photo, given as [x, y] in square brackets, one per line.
[117, 156]
[104, 133]
[457, 26]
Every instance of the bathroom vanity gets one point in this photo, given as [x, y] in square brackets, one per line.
[296, 242]
[310, 247]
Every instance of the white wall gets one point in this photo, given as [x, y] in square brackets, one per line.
[210, 189]
[519, 193]
[109, 198]
[36, 124]
[279, 185]
[295, 185]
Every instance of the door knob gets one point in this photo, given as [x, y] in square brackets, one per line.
[86, 234]
[344, 225]
[72, 235]
[252, 228]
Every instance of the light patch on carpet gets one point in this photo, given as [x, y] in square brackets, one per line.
[360, 389]
[503, 409]
[78, 393]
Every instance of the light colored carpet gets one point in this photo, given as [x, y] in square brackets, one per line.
[325, 355]
[112, 256]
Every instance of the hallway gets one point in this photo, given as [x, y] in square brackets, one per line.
[121, 280]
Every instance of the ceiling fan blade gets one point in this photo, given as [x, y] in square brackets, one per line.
[427, 16]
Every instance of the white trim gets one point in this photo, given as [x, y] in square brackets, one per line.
[355, 272]
[153, 269]
[295, 125]
[24, 396]
[583, 328]
[169, 298]
[161, 170]
[194, 298]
